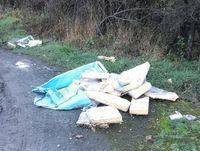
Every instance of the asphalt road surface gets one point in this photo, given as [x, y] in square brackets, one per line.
[25, 127]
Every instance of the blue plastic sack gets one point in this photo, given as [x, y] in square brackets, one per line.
[59, 95]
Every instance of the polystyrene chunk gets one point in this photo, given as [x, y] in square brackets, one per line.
[136, 76]
[109, 99]
[139, 106]
[136, 93]
[157, 93]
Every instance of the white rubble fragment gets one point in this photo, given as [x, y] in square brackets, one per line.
[22, 64]
[104, 115]
[127, 88]
[100, 116]
[79, 136]
[34, 43]
[28, 41]
[109, 99]
[156, 93]
[92, 86]
[83, 119]
[190, 117]
[111, 59]
[169, 81]
[176, 116]
[139, 106]
[111, 84]
[11, 45]
[136, 93]
[135, 76]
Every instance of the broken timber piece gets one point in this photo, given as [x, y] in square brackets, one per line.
[135, 76]
[95, 75]
[139, 106]
[136, 93]
[156, 93]
[100, 115]
[109, 99]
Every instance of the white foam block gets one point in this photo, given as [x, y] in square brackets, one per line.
[157, 93]
[136, 93]
[136, 76]
[109, 99]
[139, 106]
[104, 115]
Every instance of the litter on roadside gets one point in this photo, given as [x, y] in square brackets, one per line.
[11, 45]
[96, 116]
[190, 117]
[111, 59]
[91, 85]
[139, 106]
[25, 42]
[65, 91]
[109, 99]
[156, 93]
[79, 136]
[178, 115]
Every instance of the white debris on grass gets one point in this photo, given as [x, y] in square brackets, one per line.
[190, 117]
[135, 76]
[108, 89]
[139, 106]
[111, 59]
[11, 45]
[136, 93]
[25, 42]
[178, 115]
[98, 116]
[156, 93]
[108, 99]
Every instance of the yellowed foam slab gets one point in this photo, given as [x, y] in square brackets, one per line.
[139, 106]
[136, 93]
[136, 76]
[104, 115]
[156, 93]
[108, 99]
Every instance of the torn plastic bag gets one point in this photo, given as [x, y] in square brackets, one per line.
[59, 94]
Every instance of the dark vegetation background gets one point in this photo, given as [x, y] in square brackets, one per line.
[132, 27]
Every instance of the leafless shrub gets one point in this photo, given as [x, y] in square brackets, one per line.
[172, 24]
